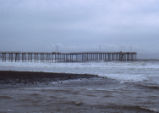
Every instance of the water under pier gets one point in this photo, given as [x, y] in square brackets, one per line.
[67, 56]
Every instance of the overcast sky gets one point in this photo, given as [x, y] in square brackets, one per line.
[111, 25]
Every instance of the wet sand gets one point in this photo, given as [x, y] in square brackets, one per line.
[71, 93]
[31, 77]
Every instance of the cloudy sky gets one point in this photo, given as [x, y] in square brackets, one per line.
[48, 25]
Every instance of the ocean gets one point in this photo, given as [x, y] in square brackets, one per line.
[122, 87]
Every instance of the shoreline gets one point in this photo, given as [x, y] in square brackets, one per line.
[28, 76]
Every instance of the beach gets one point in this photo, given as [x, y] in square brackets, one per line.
[33, 77]
[31, 91]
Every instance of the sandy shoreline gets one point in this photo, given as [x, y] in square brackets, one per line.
[26, 76]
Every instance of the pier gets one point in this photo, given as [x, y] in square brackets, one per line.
[67, 56]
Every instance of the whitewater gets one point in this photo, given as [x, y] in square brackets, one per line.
[141, 71]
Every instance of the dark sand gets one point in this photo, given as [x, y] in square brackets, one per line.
[37, 92]
[31, 77]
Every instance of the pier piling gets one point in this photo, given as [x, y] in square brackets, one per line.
[67, 57]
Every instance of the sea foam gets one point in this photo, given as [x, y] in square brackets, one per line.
[129, 71]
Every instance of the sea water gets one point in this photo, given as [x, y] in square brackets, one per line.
[123, 71]
[124, 87]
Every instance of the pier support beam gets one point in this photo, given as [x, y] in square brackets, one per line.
[67, 57]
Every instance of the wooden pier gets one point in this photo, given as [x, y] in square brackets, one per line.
[67, 57]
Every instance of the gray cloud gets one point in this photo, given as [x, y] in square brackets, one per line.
[40, 25]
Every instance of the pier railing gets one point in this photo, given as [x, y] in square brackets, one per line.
[67, 57]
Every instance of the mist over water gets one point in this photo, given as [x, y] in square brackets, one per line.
[77, 26]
